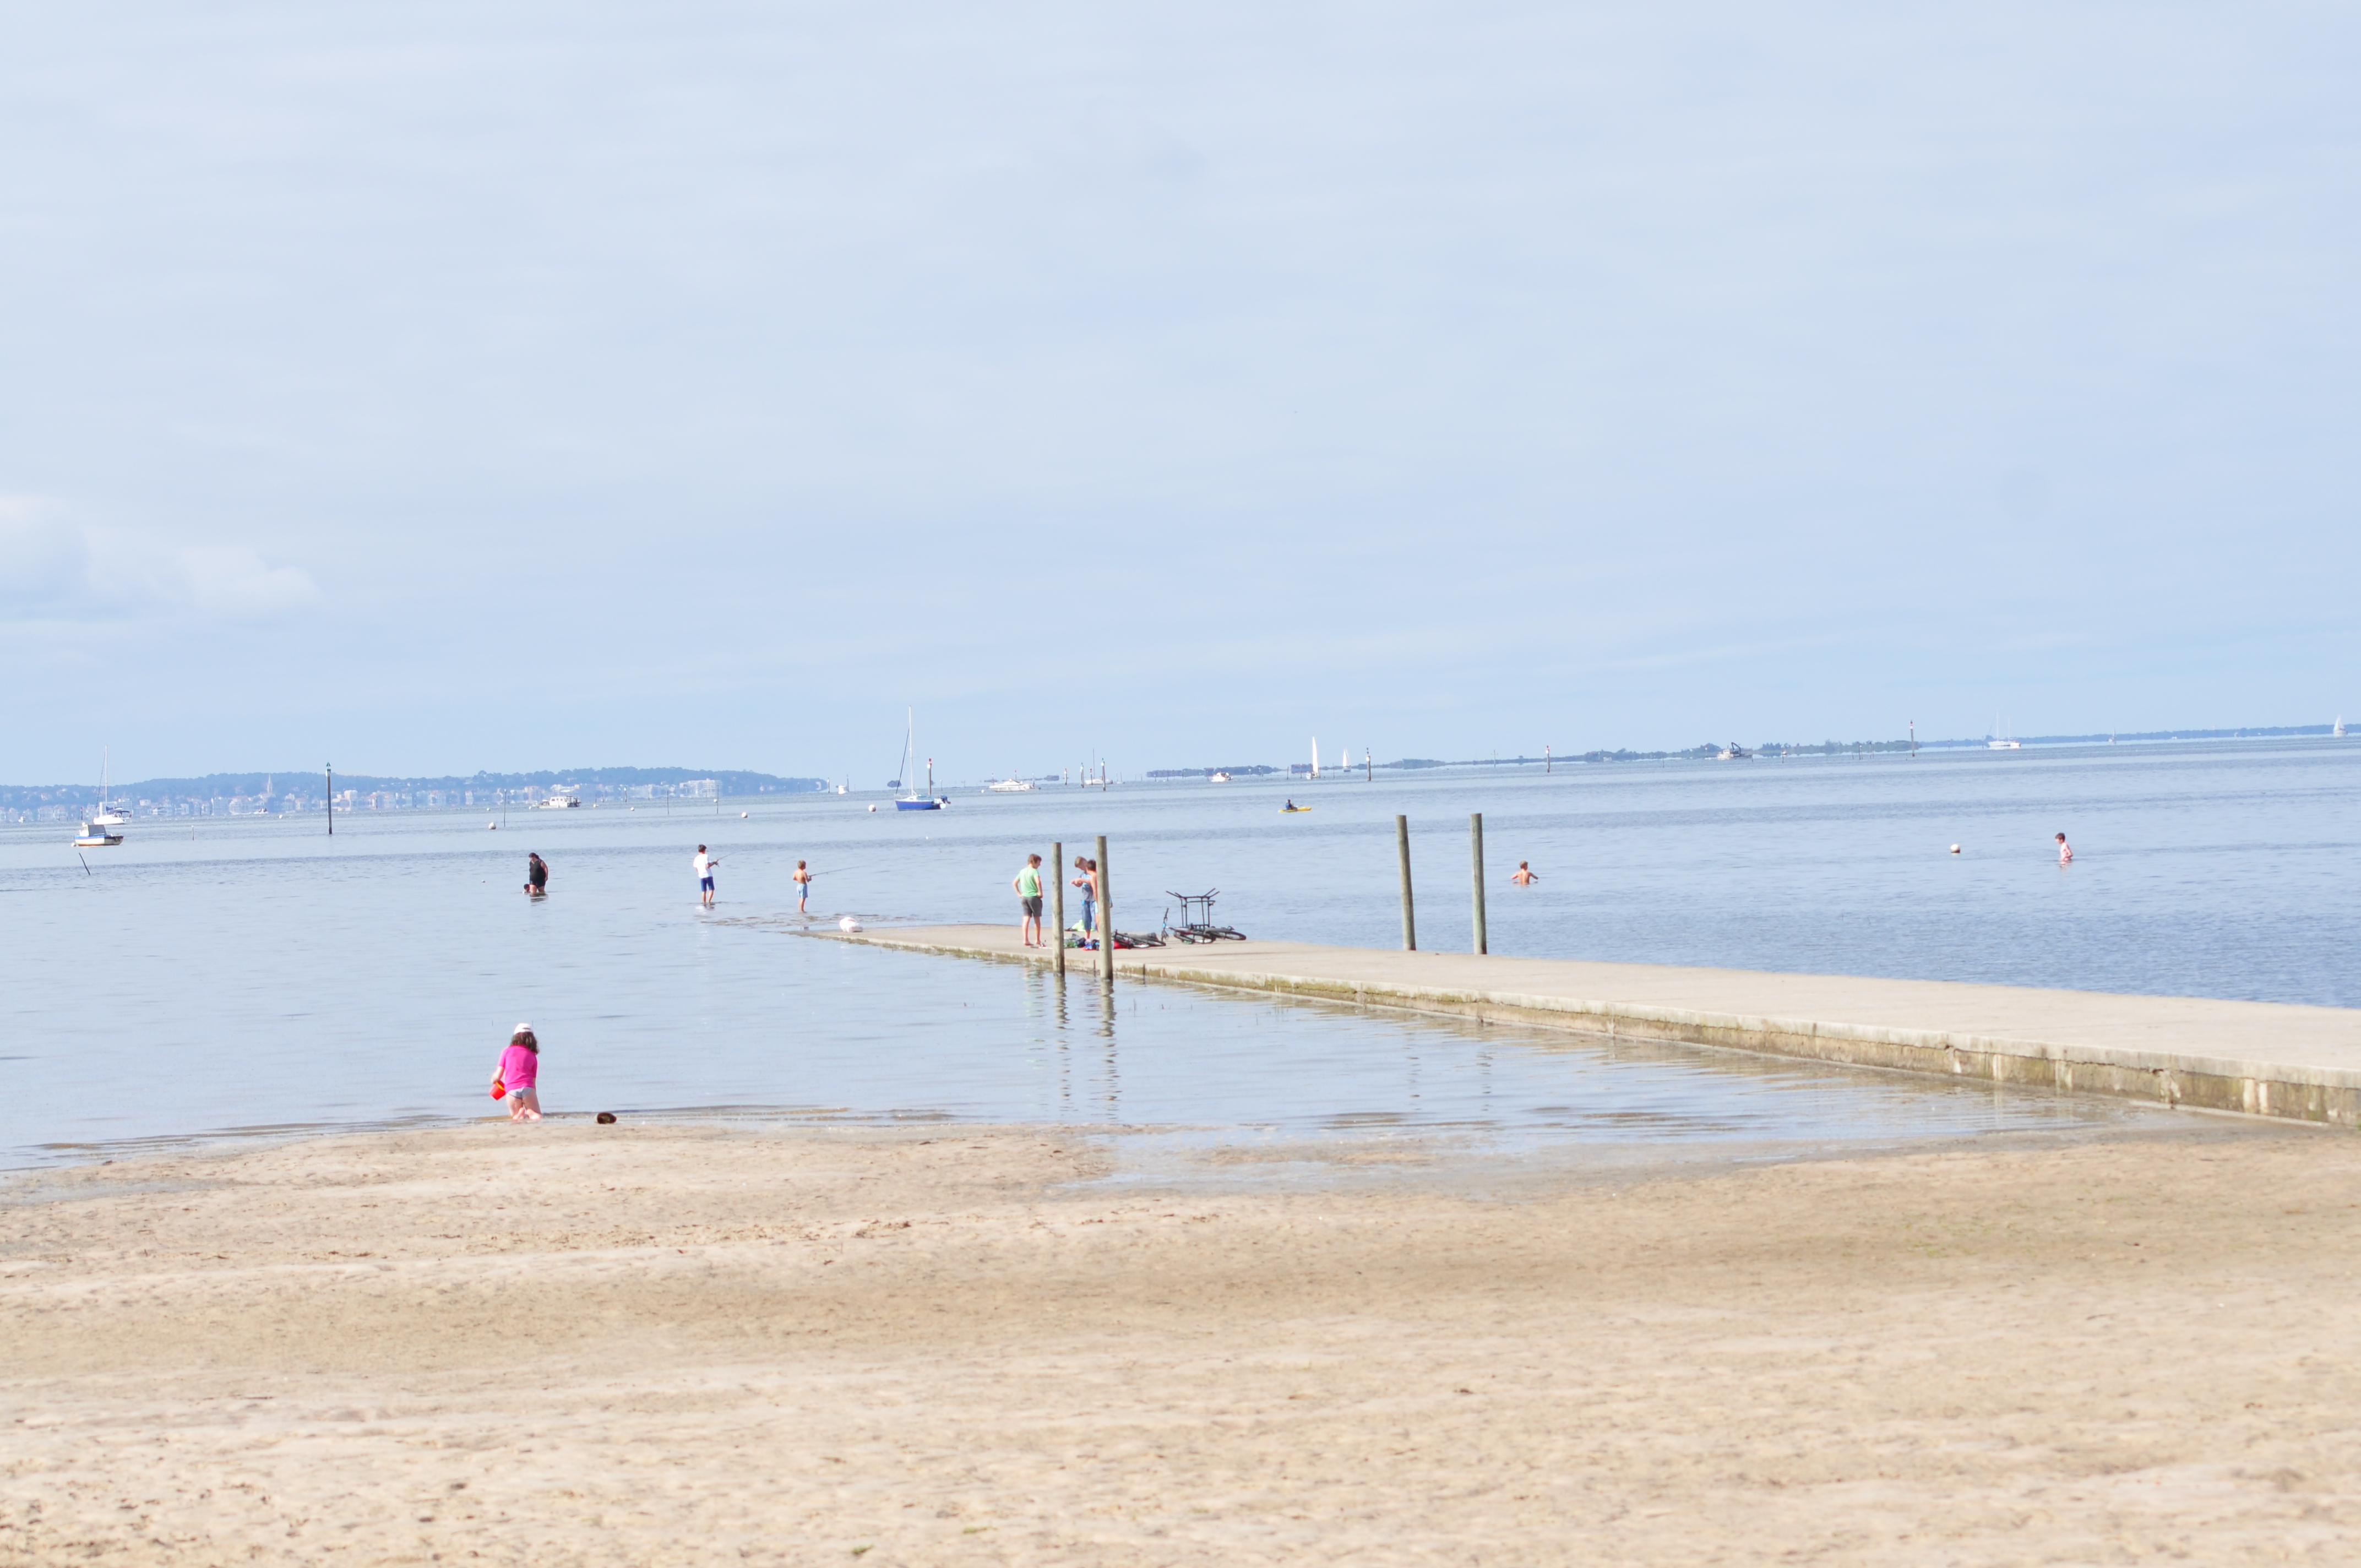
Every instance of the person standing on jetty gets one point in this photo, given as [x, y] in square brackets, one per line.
[704, 864]
[519, 1074]
[1027, 883]
[1089, 883]
[803, 887]
[536, 875]
[2065, 851]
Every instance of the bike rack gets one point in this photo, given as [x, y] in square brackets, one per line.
[1201, 928]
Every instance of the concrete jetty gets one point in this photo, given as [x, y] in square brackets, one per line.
[2260, 1058]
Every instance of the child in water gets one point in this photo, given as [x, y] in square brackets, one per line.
[519, 1068]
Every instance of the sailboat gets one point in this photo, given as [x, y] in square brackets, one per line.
[98, 832]
[914, 801]
[2002, 742]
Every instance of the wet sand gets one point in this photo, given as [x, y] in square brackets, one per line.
[692, 1344]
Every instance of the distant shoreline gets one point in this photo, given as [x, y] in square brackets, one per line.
[624, 785]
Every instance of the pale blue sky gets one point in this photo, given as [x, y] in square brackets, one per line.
[441, 386]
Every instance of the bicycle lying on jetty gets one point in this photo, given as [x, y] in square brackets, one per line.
[1076, 939]
[1197, 919]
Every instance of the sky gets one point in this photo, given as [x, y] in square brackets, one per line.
[433, 387]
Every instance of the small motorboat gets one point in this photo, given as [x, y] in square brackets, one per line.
[1008, 786]
[1217, 778]
[558, 802]
[95, 836]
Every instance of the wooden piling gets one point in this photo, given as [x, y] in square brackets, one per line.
[1409, 921]
[1475, 855]
[1106, 918]
[1057, 907]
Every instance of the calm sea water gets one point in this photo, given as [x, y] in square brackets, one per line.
[254, 974]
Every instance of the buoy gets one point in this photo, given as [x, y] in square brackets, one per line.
[848, 923]
[872, 806]
[741, 816]
[1955, 849]
[491, 826]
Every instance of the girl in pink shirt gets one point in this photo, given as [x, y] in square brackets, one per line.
[519, 1068]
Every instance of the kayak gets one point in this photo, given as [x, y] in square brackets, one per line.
[1286, 810]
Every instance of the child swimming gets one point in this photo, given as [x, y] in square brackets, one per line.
[520, 1069]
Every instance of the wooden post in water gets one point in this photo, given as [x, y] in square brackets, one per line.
[332, 802]
[1058, 905]
[1475, 850]
[1106, 919]
[1409, 921]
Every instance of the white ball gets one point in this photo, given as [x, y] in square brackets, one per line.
[872, 806]
[848, 923]
[1955, 849]
[741, 816]
[491, 826]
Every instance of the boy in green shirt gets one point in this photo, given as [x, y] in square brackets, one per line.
[1027, 883]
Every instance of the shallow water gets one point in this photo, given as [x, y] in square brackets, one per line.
[255, 974]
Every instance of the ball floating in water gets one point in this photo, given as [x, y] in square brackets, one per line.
[872, 806]
[848, 923]
[741, 816]
[491, 826]
[1955, 849]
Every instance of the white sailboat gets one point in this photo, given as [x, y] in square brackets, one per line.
[106, 815]
[1999, 741]
[99, 831]
[1315, 759]
[914, 801]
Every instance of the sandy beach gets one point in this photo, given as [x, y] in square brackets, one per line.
[705, 1343]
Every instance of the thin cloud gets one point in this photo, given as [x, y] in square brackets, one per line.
[52, 568]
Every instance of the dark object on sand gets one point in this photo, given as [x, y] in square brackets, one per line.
[605, 1117]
